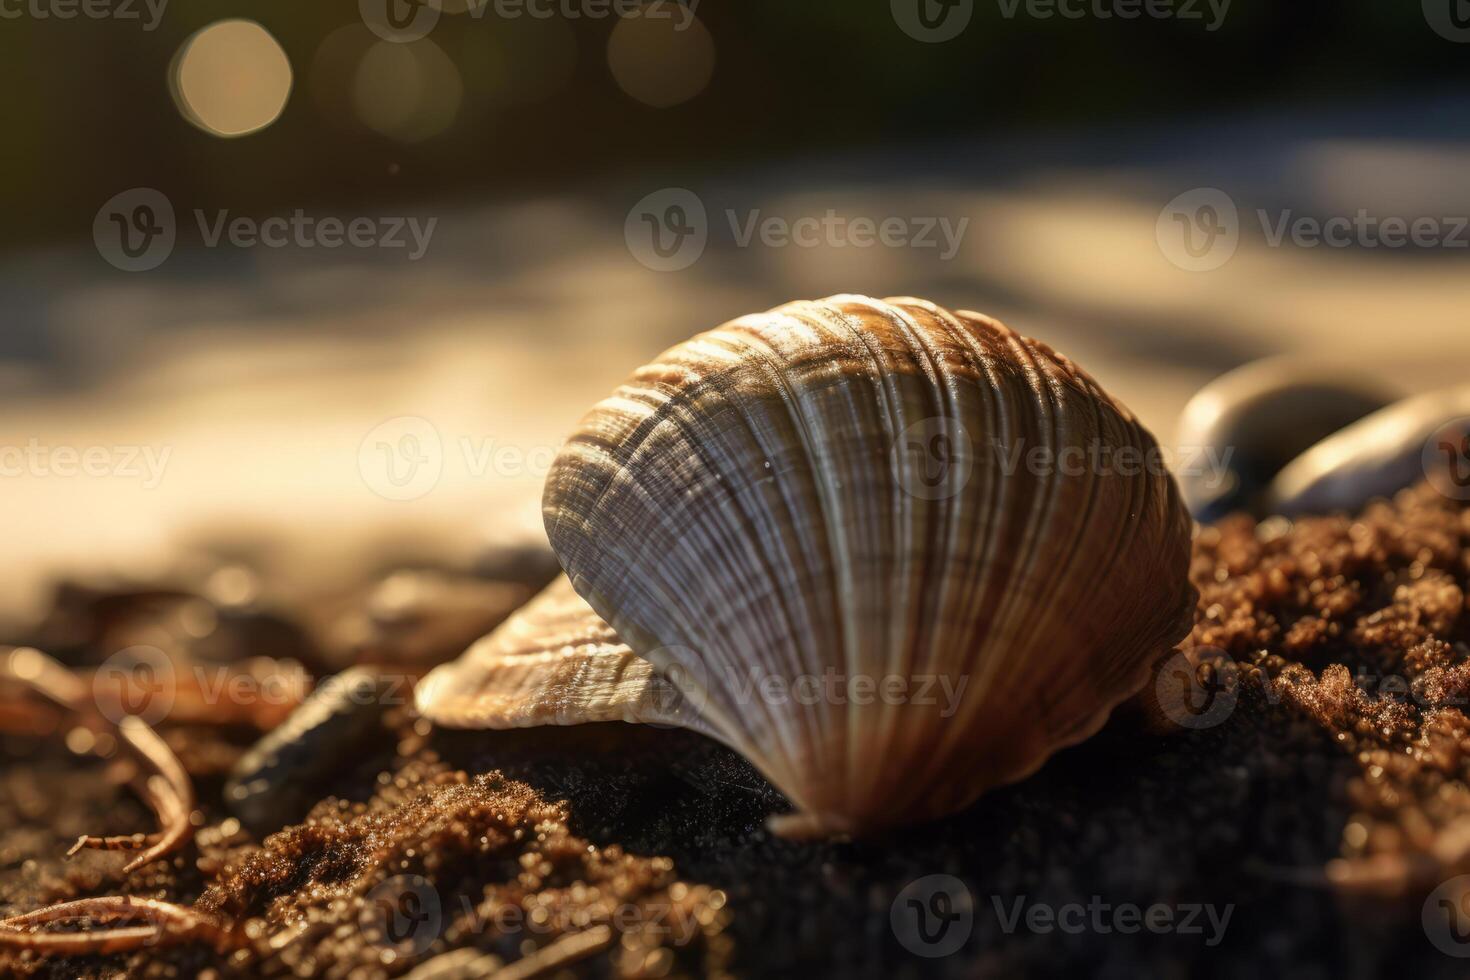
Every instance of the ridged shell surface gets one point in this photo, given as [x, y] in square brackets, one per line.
[894, 555]
[555, 662]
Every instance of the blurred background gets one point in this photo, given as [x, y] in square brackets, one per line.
[330, 280]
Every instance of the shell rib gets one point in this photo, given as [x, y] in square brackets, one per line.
[885, 634]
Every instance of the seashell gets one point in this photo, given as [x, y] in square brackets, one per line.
[1426, 436]
[1242, 428]
[554, 662]
[858, 541]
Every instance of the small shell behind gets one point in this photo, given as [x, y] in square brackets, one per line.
[1242, 428]
[884, 633]
[1380, 455]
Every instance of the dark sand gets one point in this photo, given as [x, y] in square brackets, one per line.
[1250, 812]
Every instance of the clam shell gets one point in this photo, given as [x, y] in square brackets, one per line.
[833, 528]
[1391, 449]
[1245, 426]
[555, 662]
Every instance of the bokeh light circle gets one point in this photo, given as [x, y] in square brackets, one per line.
[231, 78]
[409, 92]
[662, 56]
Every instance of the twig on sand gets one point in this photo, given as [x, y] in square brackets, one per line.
[167, 790]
